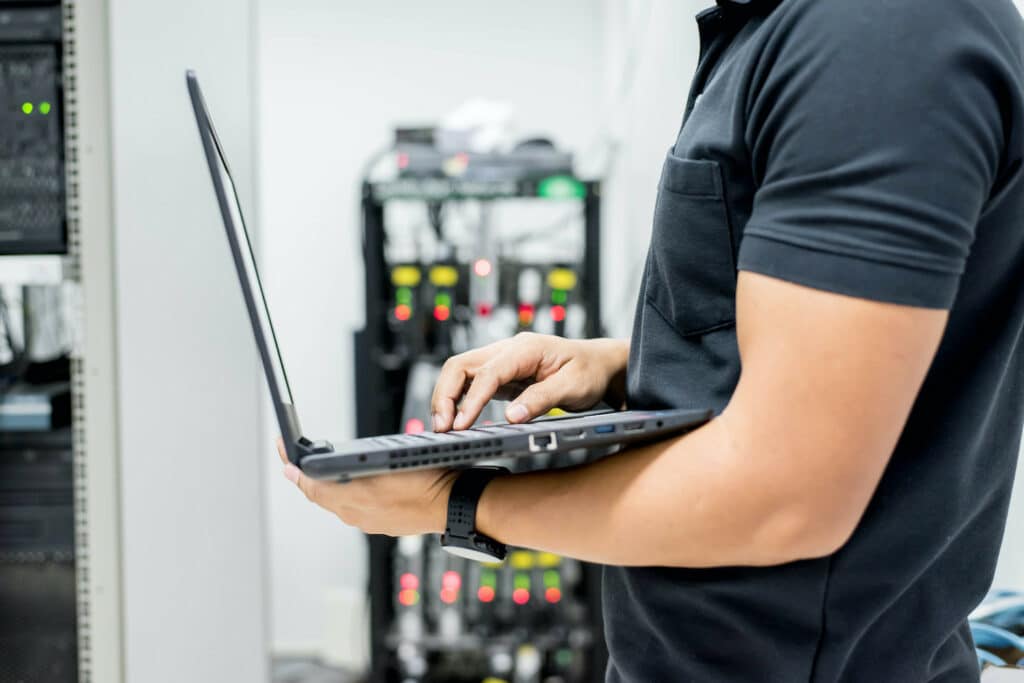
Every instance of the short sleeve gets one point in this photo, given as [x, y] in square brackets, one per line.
[876, 133]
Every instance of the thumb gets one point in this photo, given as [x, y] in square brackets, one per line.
[536, 400]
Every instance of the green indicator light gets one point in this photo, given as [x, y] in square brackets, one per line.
[552, 579]
[559, 296]
[522, 581]
[563, 657]
[27, 108]
[561, 187]
[44, 108]
[443, 300]
[488, 579]
[403, 295]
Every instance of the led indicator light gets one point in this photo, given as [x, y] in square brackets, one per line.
[444, 276]
[403, 295]
[452, 580]
[562, 278]
[482, 267]
[489, 578]
[443, 299]
[408, 597]
[409, 581]
[552, 579]
[521, 559]
[559, 296]
[525, 314]
[27, 108]
[549, 559]
[405, 276]
[44, 108]
[553, 595]
[403, 312]
[561, 187]
[520, 596]
[484, 310]
[414, 425]
[449, 596]
[442, 313]
[558, 313]
[403, 160]
[485, 594]
[521, 581]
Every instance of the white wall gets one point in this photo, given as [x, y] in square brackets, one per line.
[652, 48]
[334, 78]
[191, 437]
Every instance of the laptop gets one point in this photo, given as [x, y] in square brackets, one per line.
[400, 452]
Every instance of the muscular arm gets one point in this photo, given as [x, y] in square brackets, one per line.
[785, 472]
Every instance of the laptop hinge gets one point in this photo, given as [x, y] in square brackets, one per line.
[307, 447]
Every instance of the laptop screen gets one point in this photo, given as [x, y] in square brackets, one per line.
[242, 248]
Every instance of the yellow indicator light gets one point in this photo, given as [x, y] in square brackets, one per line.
[492, 679]
[562, 278]
[557, 412]
[444, 276]
[27, 108]
[405, 276]
[521, 559]
[547, 560]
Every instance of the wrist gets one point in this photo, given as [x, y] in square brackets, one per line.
[487, 514]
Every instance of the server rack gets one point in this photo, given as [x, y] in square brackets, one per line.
[381, 381]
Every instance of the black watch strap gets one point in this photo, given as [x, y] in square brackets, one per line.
[461, 536]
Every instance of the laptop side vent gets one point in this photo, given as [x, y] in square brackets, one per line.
[447, 455]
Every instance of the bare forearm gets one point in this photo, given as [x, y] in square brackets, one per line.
[691, 502]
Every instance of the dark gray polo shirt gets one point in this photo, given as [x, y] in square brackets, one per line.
[871, 148]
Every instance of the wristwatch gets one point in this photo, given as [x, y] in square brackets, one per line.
[461, 537]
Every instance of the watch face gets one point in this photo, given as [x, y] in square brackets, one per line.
[472, 554]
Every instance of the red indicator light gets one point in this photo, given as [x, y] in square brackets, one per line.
[449, 596]
[452, 580]
[553, 595]
[408, 597]
[525, 314]
[442, 313]
[485, 594]
[462, 158]
[403, 160]
[520, 596]
[409, 582]
[402, 312]
[482, 267]
[414, 425]
[484, 310]
[558, 313]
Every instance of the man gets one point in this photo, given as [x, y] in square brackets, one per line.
[836, 267]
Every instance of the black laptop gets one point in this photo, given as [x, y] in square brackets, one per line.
[398, 452]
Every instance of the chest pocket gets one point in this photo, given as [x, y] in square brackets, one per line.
[691, 270]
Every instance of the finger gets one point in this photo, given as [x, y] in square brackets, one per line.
[311, 488]
[489, 379]
[281, 451]
[450, 386]
[538, 399]
[508, 392]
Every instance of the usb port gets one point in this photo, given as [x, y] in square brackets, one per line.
[604, 429]
[543, 442]
[632, 426]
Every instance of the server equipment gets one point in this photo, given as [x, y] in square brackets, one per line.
[444, 274]
[38, 619]
[32, 206]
